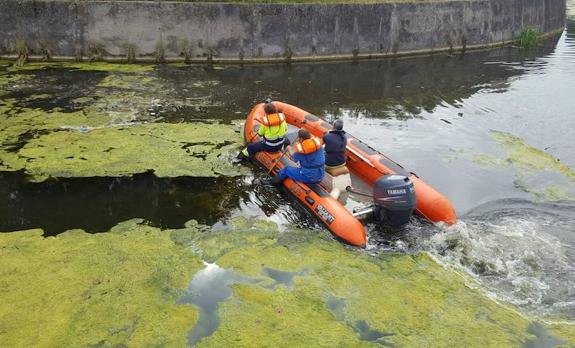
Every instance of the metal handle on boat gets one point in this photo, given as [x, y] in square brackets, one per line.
[363, 213]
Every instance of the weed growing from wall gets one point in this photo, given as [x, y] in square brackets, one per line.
[210, 53]
[22, 50]
[45, 50]
[160, 52]
[187, 51]
[529, 38]
[96, 51]
[288, 53]
[131, 55]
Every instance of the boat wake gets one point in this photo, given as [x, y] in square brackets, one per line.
[521, 252]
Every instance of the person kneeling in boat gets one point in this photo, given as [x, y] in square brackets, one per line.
[335, 142]
[309, 153]
[273, 128]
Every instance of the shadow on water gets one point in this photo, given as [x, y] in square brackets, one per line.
[98, 203]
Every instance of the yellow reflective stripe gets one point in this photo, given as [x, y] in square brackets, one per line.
[317, 143]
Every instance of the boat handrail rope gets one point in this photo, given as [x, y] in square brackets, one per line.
[359, 155]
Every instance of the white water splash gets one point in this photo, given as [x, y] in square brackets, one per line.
[516, 257]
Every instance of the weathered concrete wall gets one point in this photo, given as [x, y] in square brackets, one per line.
[99, 29]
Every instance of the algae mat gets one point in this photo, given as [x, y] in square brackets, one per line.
[93, 290]
[169, 150]
[108, 124]
[537, 172]
[122, 288]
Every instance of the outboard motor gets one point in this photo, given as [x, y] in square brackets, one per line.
[394, 199]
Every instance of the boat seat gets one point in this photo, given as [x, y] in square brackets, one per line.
[291, 134]
[336, 180]
[337, 171]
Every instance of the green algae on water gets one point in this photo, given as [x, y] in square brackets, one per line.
[109, 67]
[527, 157]
[546, 194]
[487, 160]
[107, 289]
[169, 150]
[122, 289]
[106, 133]
[94, 66]
[529, 161]
[7, 79]
[411, 299]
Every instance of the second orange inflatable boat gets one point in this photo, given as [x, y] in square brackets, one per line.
[365, 164]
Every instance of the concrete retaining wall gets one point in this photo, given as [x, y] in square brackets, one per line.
[221, 31]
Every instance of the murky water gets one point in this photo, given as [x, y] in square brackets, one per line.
[212, 285]
[207, 289]
[337, 307]
[487, 129]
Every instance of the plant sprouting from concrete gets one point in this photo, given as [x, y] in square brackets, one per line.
[463, 44]
[45, 49]
[355, 53]
[96, 51]
[22, 50]
[78, 54]
[210, 53]
[131, 55]
[529, 38]
[187, 51]
[288, 51]
[160, 52]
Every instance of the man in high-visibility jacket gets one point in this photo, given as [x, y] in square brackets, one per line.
[310, 155]
[273, 128]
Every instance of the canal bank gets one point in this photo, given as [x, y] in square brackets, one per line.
[143, 31]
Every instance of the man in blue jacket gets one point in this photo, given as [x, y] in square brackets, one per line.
[309, 153]
[335, 142]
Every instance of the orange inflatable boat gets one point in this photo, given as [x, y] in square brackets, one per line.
[391, 185]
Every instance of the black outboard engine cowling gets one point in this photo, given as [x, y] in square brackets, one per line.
[394, 199]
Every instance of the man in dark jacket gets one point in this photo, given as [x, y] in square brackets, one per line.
[335, 142]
